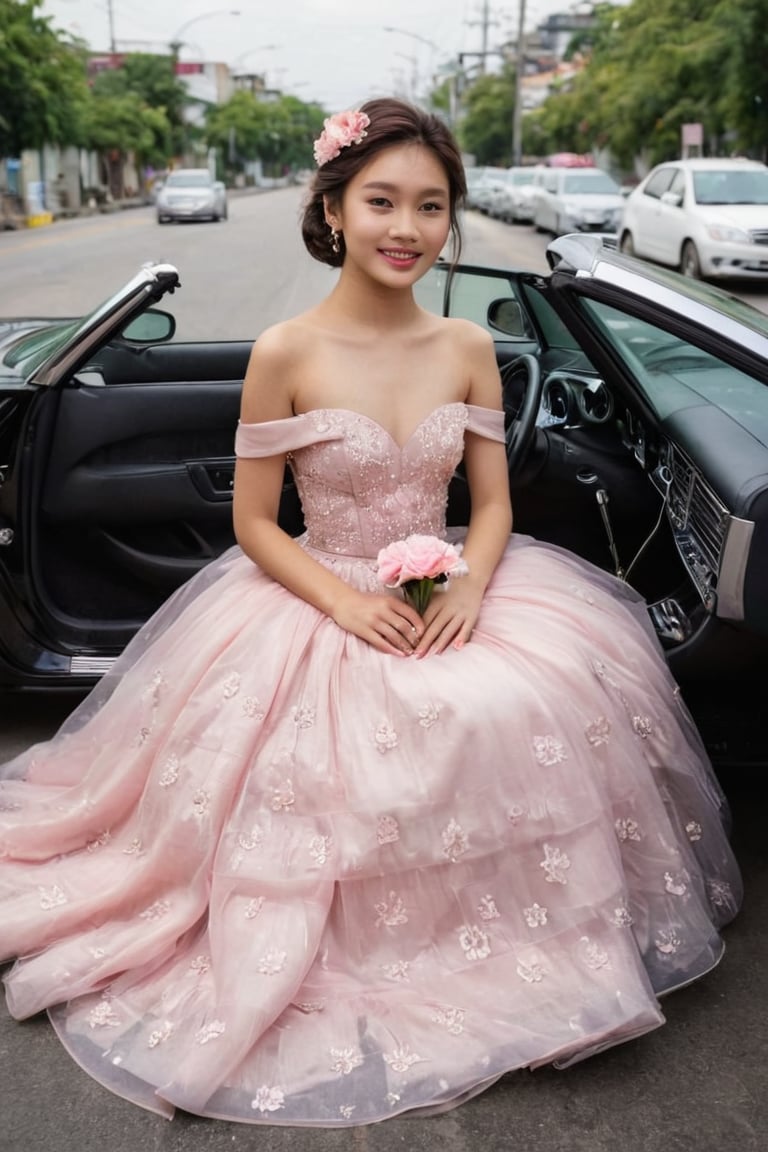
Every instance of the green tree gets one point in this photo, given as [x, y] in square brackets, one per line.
[279, 133]
[152, 80]
[744, 97]
[42, 80]
[651, 66]
[485, 129]
[118, 125]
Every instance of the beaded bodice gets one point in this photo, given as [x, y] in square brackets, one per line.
[359, 489]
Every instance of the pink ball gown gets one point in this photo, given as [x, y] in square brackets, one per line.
[266, 873]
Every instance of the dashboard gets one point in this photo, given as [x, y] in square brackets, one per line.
[712, 540]
[569, 397]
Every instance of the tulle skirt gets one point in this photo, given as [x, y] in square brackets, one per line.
[266, 873]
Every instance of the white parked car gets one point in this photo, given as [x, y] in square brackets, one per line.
[474, 179]
[707, 217]
[512, 197]
[191, 194]
[577, 200]
[486, 189]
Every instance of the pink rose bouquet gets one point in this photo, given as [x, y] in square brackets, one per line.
[416, 564]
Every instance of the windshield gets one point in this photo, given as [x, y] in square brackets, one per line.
[579, 183]
[29, 351]
[728, 186]
[675, 373]
[188, 180]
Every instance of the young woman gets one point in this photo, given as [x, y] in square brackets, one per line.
[310, 856]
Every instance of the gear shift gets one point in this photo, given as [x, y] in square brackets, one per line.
[601, 495]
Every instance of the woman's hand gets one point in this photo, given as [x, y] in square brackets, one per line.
[387, 623]
[450, 616]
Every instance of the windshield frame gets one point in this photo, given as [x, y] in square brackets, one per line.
[65, 346]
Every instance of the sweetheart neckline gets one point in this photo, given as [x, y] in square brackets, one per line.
[377, 424]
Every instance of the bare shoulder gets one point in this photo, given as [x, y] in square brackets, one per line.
[279, 345]
[273, 368]
[477, 351]
[467, 331]
[470, 339]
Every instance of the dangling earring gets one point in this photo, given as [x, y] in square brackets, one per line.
[335, 246]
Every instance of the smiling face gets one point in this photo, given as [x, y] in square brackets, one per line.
[395, 215]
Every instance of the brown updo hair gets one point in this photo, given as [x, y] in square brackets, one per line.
[391, 122]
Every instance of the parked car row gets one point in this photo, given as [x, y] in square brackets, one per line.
[554, 198]
[504, 193]
[706, 217]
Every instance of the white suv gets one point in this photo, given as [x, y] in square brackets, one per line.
[707, 217]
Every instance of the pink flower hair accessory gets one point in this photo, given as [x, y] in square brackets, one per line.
[339, 132]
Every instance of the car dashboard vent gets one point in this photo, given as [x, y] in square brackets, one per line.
[699, 522]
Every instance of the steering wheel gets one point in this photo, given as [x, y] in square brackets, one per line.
[522, 428]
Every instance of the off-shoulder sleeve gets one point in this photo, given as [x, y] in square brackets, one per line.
[486, 422]
[273, 437]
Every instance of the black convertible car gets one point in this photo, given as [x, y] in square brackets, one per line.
[637, 409]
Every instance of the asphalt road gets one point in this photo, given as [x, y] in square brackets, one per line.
[696, 1085]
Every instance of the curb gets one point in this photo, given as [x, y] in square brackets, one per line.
[19, 223]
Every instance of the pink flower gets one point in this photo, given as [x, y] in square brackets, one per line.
[416, 564]
[339, 132]
[415, 558]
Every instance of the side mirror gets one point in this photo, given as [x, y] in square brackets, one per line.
[507, 316]
[673, 198]
[152, 327]
[219, 185]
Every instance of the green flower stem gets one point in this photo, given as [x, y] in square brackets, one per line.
[419, 593]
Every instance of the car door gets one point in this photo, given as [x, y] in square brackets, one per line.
[119, 472]
[644, 217]
[546, 203]
[673, 223]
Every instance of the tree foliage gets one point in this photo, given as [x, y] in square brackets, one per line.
[743, 102]
[125, 124]
[42, 80]
[146, 85]
[651, 66]
[279, 133]
[485, 130]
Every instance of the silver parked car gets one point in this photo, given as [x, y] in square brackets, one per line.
[706, 216]
[191, 194]
[577, 200]
[514, 197]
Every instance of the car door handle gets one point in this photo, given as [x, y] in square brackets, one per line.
[214, 479]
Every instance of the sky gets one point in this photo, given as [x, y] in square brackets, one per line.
[337, 53]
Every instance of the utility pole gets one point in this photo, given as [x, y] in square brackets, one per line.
[484, 36]
[485, 24]
[517, 113]
[111, 15]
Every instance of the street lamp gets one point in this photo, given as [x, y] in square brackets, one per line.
[256, 82]
[176, 43]
[422, 40]
[414, 63]
[252, 51]
[413, 35]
